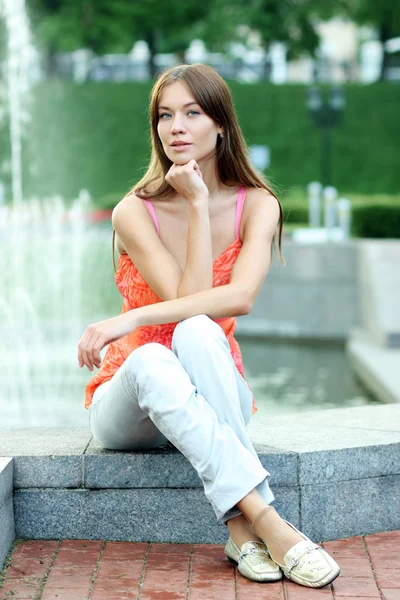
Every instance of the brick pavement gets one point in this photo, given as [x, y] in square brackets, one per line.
[100, 570]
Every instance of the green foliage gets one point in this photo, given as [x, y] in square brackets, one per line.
[96, 136]
[291, 22]
[377, 221]
[375, 216]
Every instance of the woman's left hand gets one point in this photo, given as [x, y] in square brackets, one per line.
[98, 335]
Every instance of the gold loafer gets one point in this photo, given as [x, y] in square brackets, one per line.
[253, 561]
[306, 563]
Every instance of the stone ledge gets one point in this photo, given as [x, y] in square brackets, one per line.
[7, 530]
[153, 515]
[334, 473]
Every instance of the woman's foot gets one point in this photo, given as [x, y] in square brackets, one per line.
[300, 559]
[241, 531]
[279, 536]
[248, 552]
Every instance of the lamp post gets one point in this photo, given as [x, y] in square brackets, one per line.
[325, 114]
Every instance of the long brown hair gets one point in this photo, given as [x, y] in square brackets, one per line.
[234, 166]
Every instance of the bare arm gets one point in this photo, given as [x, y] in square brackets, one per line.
[237, 297]
[135, 229]
[198, 273]
[233, 299]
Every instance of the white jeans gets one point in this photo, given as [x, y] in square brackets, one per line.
[194, 397]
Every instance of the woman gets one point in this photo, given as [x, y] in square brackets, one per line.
[195, 237]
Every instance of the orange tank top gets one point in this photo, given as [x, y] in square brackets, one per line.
[136, 293]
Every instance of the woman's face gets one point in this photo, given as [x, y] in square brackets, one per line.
[181, 119]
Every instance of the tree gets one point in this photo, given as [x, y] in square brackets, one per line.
[383, 15]
[292, 22]
[67, 25]
[113, 25]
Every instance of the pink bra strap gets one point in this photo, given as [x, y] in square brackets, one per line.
[239, 207]
[152, 212]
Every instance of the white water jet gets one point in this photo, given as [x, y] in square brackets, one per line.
[20, 54]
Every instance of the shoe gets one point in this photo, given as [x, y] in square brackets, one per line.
[253, 561]
[306, 563]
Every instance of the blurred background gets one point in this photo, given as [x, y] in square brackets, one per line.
[316, 88]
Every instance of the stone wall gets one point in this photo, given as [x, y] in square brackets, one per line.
[314, 296]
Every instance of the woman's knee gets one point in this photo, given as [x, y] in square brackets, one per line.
[194, 330]
[141, 360]
[149, 367]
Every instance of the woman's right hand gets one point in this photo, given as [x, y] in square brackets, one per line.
[187, 180]
[98, 335]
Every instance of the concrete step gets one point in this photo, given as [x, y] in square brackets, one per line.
[378, 367]
[379, 283]
[334, 473]
[7, 530]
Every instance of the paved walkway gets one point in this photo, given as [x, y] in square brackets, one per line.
[99, 570]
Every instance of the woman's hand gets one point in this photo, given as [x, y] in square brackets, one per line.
[187, 180]
[98, 335]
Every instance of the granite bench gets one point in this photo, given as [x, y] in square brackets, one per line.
[335, 473]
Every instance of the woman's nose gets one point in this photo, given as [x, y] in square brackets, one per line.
[177, 125]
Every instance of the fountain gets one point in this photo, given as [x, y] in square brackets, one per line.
[47, 250]
[57, 278]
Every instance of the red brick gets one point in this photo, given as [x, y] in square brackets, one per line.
[246, 589]
[35, 549]
[390, 594]
[355, 567]
[110, 596]
[355, 586]
[125, 550]
[68, 577]
[84, 545]
[209, 550]
[170, 548]
[163, 595]
[383, 536]
[114, 568]
[27, 567]
[294, 591]
[115, 585]
[76, 558]
[212, 590]
[350, 547]
[21, 590]
[388, 578]
[64, 594]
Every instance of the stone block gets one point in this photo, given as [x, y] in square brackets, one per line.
[41, 441]
[7, 530]
[153, 515]
[145, 469]
[281, 465]
[348, 464]
[48, 471]
[167, 468]
[6, 479]
[347, 508]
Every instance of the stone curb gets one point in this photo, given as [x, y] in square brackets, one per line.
[67, 486]
[7, 529]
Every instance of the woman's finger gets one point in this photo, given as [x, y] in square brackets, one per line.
[95, 351]
[85, 346]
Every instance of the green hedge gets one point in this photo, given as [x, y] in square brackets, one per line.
[375, 216]
[95, 136]
[376, 221]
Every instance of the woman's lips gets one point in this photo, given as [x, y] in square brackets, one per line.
[180, 147]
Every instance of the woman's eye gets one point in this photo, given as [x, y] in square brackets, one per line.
[196, 112]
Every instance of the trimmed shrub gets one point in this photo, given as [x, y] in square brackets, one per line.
[96, 136]
[376, 221]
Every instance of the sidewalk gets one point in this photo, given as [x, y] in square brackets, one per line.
[100, 570]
